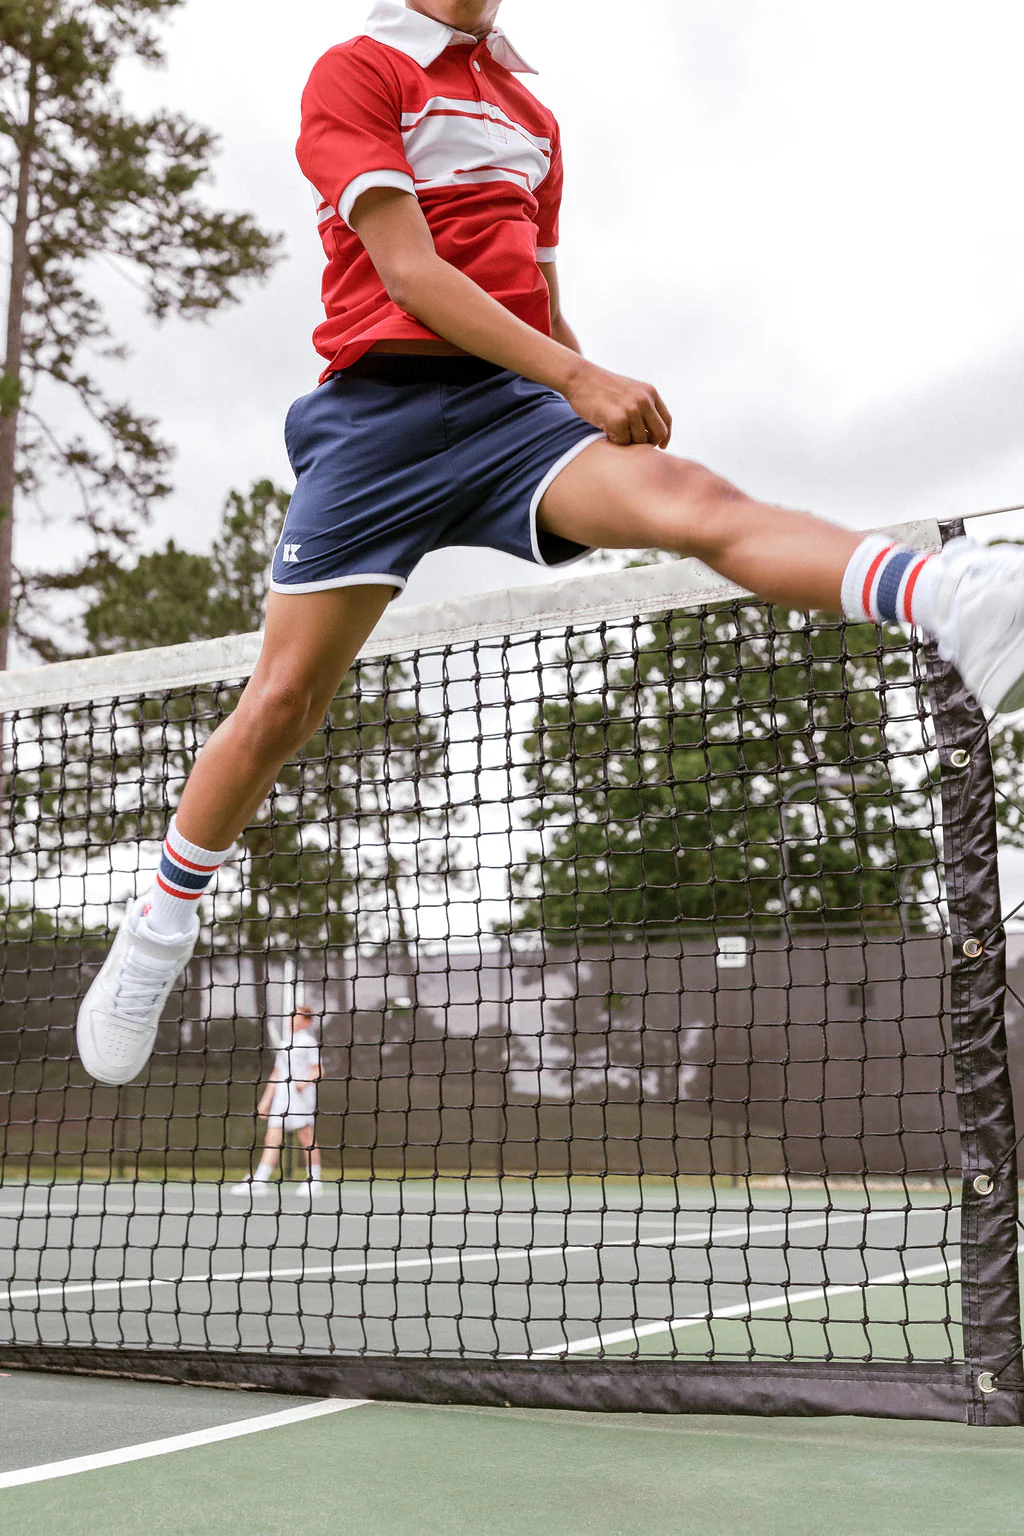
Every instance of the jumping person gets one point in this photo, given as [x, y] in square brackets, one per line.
[288, 1103]
[455, 408]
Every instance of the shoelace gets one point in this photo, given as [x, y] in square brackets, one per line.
[139, 988]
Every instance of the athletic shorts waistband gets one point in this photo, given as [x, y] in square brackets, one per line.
[419, 368]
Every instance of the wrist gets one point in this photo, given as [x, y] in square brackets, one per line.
[570, 371]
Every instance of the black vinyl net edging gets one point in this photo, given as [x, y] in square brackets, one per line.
[659, 1069]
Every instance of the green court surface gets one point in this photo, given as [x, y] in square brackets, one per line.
[389, 1470]
[452, 1266]
[862, 1274]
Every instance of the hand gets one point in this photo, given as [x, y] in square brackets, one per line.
[625, 410]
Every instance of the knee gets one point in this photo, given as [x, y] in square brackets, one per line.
[282, 712]
[695, 505]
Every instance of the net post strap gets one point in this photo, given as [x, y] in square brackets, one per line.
[989, 1271]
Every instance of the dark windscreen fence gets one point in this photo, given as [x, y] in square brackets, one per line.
[652, 944]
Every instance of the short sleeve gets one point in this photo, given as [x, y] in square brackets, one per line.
[351, 137]
[549, 199]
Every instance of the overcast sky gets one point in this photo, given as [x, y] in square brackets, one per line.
[802, 221]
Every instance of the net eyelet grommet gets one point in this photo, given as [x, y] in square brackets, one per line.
[987, 1383]
[960, 758]
[973, 949]
[983, 1184]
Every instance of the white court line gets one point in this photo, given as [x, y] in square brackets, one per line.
[746, 1309]
[164, 1196]
[243, 1212]
[135, 1201]
[303, 1272]
[188, 1442]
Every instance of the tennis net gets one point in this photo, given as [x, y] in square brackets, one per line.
[652, 947]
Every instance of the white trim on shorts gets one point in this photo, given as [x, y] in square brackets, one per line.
[538, 496]
[359, 580]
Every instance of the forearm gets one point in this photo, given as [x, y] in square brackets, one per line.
[451, 304]
[398, 241]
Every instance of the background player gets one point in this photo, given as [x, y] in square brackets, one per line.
[455, 408]
[289, 1104]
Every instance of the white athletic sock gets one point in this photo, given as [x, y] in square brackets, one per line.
[264, 1173]
[883, 583]
[185, 872]
[927, 611]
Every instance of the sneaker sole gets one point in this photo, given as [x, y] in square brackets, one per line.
[1007, 682]
[1014, 699]
[90, 1061]
[88, 1033]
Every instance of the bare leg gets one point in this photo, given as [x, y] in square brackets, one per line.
[307, 1140]
[641, 498]
[311, 642]
[272, 1146]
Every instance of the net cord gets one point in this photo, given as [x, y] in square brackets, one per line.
[679, 585]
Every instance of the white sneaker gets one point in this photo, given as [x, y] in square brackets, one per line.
[252, 1189]
[310, 1189]
[118, 1019]
[976, 601]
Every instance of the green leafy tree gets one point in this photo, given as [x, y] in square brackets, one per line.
[343, 848]
[82, 179]
[729, 767]
[173, 595]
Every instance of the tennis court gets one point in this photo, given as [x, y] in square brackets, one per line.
[653, 948]
[478, 1268]
[120, 1265]
[380, 1469]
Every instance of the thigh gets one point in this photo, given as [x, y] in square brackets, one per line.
[626, 498]
[311, 641]
[275, 1131]
[305, 1130]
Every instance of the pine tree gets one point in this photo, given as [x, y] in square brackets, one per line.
[81, 178]
[173, 595]
[331, 857]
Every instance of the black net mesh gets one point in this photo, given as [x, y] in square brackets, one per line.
[627, 955]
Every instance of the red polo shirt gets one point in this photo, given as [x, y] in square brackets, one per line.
[414, 105]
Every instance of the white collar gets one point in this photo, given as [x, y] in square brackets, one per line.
[423, 39]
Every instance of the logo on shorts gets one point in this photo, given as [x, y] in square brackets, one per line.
[291, 554]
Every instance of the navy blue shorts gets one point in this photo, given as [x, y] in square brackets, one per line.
[398, 456]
